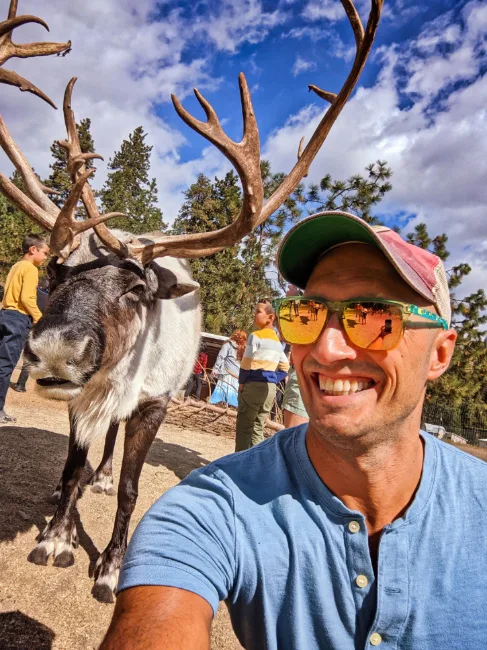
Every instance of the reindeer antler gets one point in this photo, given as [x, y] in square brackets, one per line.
[245, 156]
[9, 49]
[62, 223]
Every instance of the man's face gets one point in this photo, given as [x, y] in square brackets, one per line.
[39, 254]
[393, 381]
[261, 317]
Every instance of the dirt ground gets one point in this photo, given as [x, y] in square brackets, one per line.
[46, 608]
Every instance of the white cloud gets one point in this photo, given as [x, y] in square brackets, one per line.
[302, 65]
[436, 150]
[233, 22]
[319, 9]
[336, 46]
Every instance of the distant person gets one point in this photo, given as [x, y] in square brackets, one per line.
[198, 374]
[42, 300]
[264, 364]
[227, 369]
[19, 311]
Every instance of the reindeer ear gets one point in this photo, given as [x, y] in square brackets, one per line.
[165, 284]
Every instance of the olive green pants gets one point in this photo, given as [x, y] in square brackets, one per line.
[254, 403]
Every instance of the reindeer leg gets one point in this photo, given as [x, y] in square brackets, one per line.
[102, 479]
[59, 536]
[140, 431]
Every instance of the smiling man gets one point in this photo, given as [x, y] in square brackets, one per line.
[354, 531]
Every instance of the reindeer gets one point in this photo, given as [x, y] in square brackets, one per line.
[122, 326]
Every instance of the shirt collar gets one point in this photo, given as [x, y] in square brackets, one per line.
[337, 507]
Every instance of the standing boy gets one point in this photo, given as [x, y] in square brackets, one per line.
[19, 311]
[264, 364]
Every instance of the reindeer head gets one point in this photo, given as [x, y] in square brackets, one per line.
[102, 284]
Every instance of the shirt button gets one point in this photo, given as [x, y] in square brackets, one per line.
[361, 581]
[375, 639]
[354, 527]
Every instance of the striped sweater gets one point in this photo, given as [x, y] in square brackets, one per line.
[264, 359]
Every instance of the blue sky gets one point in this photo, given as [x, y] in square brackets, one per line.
[420, 103]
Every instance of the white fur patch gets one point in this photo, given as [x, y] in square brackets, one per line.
[110, 579]
[104, 482]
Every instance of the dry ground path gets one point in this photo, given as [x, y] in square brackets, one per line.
[44, 608]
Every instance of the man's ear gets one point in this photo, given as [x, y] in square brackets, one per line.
[442, 353]
[165, 284]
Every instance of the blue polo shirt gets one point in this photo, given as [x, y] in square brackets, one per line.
[260, 530]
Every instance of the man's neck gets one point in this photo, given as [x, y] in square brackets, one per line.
[379, 481]
[267, 327]
[28, 258]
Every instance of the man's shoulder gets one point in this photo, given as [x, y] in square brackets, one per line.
[267, 462]
[459, 468]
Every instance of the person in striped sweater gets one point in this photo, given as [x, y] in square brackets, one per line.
[263, 366]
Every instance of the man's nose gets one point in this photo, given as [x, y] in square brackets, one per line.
[332, 344]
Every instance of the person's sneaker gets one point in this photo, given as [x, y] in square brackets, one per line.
[18, 389]
[4, 418]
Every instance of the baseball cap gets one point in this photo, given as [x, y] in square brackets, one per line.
[308, 240]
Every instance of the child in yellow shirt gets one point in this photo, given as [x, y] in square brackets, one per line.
[19, 311]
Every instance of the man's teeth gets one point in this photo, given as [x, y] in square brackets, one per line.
[343, 386]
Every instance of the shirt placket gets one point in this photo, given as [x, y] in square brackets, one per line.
[392, 590]
[362, 579]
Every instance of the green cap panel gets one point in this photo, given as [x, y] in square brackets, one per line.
[307, 241]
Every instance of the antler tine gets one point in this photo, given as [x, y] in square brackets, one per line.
[13, 79]
[12, 12]
[76, 165]
[245, 157]
[9, 49]
[63, 235]
[10, 24]
[364, 42]
[355, 21]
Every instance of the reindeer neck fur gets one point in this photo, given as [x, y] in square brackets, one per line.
[159, 351]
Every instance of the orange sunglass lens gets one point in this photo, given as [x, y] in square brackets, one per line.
[301, 321]
[373, 325]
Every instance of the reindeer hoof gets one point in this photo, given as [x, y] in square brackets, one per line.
[102, 593]
[64, 559]
[102, 483]
[38, 555]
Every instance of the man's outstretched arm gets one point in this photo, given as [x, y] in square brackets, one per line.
[159, 618]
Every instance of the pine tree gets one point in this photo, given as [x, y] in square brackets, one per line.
[358, 195]
[129, 188]
[14, 226]
[233, 280]
[465, 381]
[210, 206]
[59, 178]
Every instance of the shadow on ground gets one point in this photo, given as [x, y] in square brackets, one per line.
[176, 458]
[31, 463]
[19, 632]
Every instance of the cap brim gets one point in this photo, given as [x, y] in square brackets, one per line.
[308, 240]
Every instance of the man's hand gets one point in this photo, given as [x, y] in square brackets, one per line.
[159, 618]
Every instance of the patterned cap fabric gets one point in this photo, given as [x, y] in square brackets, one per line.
[307, 241]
